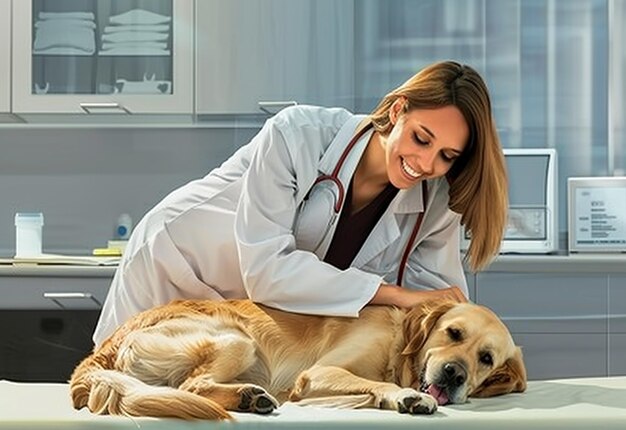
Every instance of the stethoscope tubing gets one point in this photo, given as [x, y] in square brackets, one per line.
[334, 177]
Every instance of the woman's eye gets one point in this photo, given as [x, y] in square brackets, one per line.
[446, 158]
[418, 140]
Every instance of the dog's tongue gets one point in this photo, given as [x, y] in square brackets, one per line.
[439, 394]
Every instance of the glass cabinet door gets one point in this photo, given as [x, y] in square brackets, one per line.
[5, 53]
[113, 56]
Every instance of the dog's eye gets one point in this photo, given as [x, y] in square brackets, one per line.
[454, 333]
[486, 359]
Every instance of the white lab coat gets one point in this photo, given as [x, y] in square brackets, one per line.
[230, 234]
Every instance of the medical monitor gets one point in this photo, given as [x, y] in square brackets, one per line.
[532, 225]
[597, 214]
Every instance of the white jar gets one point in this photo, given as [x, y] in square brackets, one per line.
[124, 227]
[28, 234]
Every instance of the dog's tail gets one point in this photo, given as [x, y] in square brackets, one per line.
[106, 391]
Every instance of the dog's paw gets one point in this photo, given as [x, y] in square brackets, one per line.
[409, 401]
[256, 400]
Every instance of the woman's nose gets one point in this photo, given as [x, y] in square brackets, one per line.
[427, 162]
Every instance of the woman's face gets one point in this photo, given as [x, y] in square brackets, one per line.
[423, 143]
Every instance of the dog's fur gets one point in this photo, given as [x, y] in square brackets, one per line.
[200, 359]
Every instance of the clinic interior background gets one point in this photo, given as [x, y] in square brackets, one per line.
[555, 69]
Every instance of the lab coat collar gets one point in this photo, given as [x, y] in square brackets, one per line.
[409, 201]
[338, 145]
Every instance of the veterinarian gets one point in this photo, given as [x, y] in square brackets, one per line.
[324, 211]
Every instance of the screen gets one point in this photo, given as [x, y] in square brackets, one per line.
[600, 217]
[527, 179]
[528, 176]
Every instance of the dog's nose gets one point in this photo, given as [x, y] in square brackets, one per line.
[455, 374]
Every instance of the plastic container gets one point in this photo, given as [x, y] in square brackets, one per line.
[123, 227]
[28, 234]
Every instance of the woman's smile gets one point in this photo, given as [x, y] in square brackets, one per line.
[408, 171]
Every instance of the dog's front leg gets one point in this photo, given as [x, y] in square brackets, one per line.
[331, 381]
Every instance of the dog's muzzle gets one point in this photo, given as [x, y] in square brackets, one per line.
[451, 377]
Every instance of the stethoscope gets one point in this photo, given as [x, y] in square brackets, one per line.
[340, 197]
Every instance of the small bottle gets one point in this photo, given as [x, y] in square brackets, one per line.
[124, 227]
[28, 234]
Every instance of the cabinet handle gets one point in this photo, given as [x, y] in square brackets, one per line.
[271, 108]
[55, 297]
[103, 108]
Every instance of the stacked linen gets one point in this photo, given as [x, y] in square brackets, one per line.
[65, 33]
[136, 32]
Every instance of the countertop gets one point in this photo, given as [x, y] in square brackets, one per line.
[552, 263]
[61, 271]
[558, 263]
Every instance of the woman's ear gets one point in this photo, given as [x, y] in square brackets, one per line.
[397, 108]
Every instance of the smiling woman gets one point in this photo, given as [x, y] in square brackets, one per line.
[325, 211]
[453, 97]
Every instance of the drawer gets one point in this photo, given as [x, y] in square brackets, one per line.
[53, 293]
[617, 354]
[44, 345]
[617, 303]
[546, 302]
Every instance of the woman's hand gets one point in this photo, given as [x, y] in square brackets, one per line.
[389, 294]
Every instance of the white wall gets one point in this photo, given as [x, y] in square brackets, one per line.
[83, 179]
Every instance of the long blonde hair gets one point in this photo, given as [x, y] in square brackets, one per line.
[478, 179]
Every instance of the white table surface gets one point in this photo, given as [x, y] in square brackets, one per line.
[590, 403]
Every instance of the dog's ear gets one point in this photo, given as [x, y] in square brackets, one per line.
[508, 378]
[420, 321]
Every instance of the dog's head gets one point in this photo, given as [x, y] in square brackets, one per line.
[456, 350]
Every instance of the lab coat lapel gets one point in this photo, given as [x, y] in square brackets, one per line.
[338, 145]
[330, 160]
[387, 230]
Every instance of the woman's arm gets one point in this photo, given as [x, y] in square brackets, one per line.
[388, 294]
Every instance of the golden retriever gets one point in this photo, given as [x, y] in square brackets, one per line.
[200, 359]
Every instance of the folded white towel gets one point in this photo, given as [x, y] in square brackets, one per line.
[67, 15]
[160, 28]
[65, 23]
[53, 37]
[134, 45]
[136, 51]
[135, 36]
[62, 50]
[139, 16]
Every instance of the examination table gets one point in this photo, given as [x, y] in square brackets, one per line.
[589, 403]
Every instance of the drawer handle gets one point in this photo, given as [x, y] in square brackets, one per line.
[271, 108]
[55, 297]
[104, 108]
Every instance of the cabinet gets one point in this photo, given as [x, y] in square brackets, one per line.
[48, 315]
[261, 55]
[44, 345]
[79, 56]
[471, 285]
[5, 55]
[58, 292]
[559, 319]
[617, 324]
